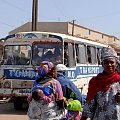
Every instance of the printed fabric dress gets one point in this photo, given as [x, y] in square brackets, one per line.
[106, 108]
[39, 110]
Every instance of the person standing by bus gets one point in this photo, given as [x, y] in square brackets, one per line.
[103, 97]
[71, 94]
[46, 99]
[68, 87]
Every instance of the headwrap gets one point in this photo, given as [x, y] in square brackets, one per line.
[108, 52]
[101, 82]
[45, 68]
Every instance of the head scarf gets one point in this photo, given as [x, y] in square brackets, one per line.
[108, 52]
[45, 68]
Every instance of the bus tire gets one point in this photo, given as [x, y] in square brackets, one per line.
[17, 101]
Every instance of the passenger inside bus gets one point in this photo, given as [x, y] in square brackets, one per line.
[23, 60]
[57, 55]
[89, 54]
[36, 56]
[48, 56]
[10, 59]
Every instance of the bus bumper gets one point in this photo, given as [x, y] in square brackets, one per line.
[16, 92]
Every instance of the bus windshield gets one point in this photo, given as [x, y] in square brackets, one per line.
[17, 55]
[49, 51]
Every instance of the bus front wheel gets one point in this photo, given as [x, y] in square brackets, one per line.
[17, 101]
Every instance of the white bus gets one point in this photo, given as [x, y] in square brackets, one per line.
[24, 51]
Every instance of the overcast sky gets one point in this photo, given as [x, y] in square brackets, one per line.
[99, 15]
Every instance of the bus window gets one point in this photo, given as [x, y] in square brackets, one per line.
[57, 54]
[49, 52]
[17, 55]
[82, 53]
[66, 54]
[93, 55]
[71, 52]
[98, 56]
[77, 53]
[89, 54]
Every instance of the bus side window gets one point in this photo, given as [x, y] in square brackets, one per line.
[77, 53]
[93, 55]
[98, 56]
[66, 54]
[71, 53]
[82, 53]
[89, 54]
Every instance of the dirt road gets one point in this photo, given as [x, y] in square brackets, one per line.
[7, 112]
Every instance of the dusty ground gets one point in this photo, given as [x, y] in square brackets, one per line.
[7, 112]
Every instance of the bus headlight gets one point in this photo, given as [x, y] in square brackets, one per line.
[7, 84]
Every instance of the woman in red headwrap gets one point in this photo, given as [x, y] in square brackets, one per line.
[103, 97]
[46, 100]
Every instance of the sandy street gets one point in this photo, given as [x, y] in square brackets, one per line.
[7, 112]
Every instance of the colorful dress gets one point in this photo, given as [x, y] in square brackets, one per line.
[47, 111]
[73, 115]
[103, 105]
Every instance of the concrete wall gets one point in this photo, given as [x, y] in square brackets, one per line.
[67, 28]
[57, 27]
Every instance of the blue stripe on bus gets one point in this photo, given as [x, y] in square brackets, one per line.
[79, 71]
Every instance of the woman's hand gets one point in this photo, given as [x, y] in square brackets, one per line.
[83, 118]
[117, 97]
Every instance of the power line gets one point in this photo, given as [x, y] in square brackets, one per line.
[101, 16]
[10, 4]
[6, 24]
[59, 8]
[6, 2]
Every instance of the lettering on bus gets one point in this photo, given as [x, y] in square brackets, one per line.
[15, 73]
[83, 70]
[89, 70]
[70, 74]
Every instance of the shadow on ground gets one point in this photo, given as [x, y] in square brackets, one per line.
[8, 108]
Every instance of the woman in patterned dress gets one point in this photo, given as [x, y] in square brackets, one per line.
[103, 97]
[46, 100]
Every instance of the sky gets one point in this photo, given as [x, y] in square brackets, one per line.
[99, 15]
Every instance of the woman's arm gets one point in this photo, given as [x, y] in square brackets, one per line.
[58, 94]
[88, 109]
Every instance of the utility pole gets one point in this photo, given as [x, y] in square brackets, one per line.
[34, 15]
[73, 22]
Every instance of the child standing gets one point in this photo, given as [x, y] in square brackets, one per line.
[74, 108]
